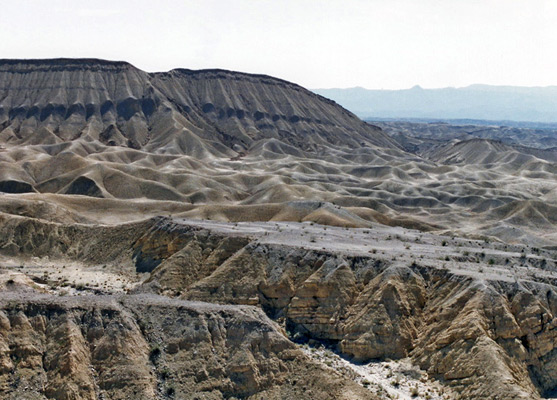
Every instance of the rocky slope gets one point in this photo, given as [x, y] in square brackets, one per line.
[178, 234]
[201, 113]
[216, 142]
[478, 317]
[148, 347]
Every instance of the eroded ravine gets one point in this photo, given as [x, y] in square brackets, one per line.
[478, 317]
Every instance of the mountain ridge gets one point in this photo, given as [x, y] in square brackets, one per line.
[477, 101]
[126, 101]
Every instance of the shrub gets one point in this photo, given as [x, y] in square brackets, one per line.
[165, 374]
[155, 353]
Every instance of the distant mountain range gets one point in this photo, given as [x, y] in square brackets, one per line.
[482, 102]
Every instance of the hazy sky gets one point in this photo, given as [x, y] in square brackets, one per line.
[388, 44]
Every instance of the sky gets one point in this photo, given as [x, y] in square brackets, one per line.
[376, 44]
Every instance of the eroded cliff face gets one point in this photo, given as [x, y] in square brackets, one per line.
[464, 320]
[149, 347]
[486, 338]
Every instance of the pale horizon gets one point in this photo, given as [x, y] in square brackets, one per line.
[335, 44]
[442, 87]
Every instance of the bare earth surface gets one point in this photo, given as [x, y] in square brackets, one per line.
[219, 235]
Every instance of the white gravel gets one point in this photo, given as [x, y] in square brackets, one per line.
[398, 379]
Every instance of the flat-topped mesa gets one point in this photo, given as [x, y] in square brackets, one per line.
[217, 73]
[198, 113]
[28, 85]
[62, 100]
[253, 107]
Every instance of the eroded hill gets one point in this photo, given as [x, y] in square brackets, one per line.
[270, 217]
[223, 139]
[477, 317]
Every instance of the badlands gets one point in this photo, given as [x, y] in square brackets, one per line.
[220, 235]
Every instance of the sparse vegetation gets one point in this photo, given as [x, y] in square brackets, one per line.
[154, 353]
